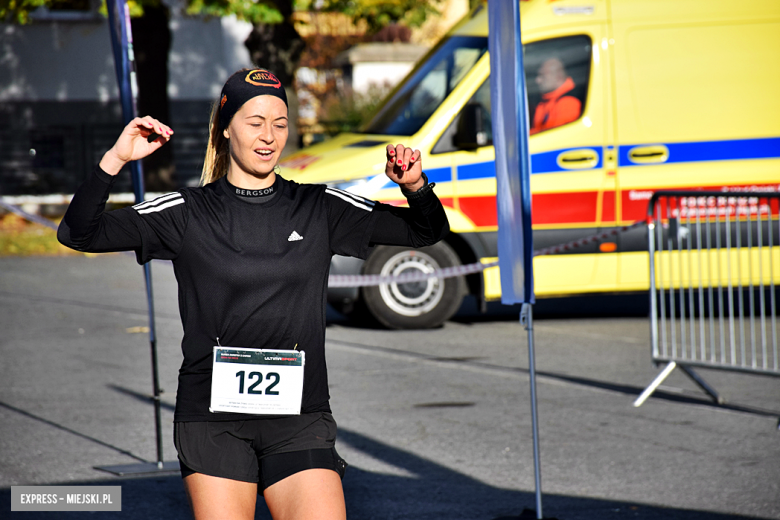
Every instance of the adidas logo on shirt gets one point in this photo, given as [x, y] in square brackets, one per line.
[294, 236]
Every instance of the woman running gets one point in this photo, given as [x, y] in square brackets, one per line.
[251, 252]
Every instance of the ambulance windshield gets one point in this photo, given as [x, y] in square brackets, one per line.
[412, 105]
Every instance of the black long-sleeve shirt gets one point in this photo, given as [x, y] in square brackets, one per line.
[252, 275]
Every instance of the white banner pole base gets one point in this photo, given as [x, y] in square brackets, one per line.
[526, 319]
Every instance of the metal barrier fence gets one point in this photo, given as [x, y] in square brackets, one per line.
[714, 278]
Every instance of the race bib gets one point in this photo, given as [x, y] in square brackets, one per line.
[252, 381]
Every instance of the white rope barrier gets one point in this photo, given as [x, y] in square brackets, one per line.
[368, 280]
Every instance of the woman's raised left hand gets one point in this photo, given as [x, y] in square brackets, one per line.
[404, 167]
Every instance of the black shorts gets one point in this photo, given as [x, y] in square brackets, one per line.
[262, 451]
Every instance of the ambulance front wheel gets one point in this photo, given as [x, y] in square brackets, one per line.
[413, 305]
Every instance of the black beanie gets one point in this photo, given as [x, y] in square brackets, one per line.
[243, 86]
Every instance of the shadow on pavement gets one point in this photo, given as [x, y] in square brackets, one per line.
[681, 396]
[590, 306]
[65, 429]
[660, 394]
[586, 306]
[423, 490]
[139, 396]
[436, 492]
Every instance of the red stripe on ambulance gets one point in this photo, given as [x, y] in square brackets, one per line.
[547, 208]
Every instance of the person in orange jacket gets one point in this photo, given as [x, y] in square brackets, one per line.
[556, 108]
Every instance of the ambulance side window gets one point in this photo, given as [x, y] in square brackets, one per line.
[416, 100]
[557, 73]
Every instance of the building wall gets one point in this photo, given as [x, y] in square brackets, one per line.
[203, 54]
[72, 60]
[57, 61]
[378, 74]
[59, 107]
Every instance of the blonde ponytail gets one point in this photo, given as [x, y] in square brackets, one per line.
[217, 160]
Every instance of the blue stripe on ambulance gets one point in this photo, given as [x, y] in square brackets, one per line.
[545, 162]
[485, 170]
[439, 174]
[765, 148]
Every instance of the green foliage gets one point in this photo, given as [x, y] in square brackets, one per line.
[380, 13]
[136, 7]
[376, 13]
[18, 11]
[253, 11]
[347, 111]
[21, 238]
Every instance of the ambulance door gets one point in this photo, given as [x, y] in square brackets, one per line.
[697, 105]
[572, 194]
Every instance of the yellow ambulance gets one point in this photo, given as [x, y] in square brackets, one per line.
[659, 94]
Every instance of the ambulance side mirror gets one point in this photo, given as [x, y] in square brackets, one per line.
[474, 128]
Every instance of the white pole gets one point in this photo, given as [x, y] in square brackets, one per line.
[526, 318]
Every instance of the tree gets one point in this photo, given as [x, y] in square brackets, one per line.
[151, 44]
[380, 13]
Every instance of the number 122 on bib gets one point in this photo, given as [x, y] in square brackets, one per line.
[252, 381]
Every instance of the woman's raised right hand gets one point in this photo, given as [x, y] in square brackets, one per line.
[133, 143]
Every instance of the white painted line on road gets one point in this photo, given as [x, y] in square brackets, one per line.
[466, 366]
[594, 335]
[518, 373]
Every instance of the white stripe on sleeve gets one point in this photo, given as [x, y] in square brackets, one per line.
[157, 201]
[352, 201]
[355, 196]
[166, 205]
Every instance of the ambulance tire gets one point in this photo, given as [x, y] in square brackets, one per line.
[416, 305]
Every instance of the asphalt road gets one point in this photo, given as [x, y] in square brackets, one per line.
[434, 424]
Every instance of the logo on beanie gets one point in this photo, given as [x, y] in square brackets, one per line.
[262, 78]
[223, 101]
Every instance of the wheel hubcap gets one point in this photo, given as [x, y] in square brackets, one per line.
[413, 298]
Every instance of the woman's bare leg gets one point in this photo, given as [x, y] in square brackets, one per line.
[313, 494]
[215, 498]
